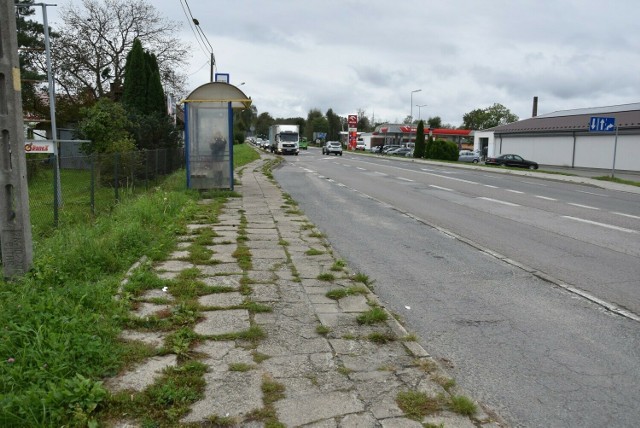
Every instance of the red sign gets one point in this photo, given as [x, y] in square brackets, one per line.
[353, 121]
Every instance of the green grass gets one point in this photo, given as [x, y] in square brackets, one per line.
[340, 293]
[372, 316]
[328, 277]
[313, 252]
[60, 322]
[463, 405]
[618, 180]
[416, 405]
[244, 154]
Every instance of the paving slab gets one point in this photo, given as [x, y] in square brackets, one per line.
[222, 300]
[141, 376]
[312, 408]
[223, 322]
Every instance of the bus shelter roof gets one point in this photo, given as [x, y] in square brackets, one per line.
[214, 92]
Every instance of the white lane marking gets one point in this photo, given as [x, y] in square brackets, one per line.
[595, 223]
[591, 193]
[514, 191]
[308, 170]
[535, 184]
[499, 202]
[583, 206]
[441, 188]
[489, 185]
[361, 169]
[448, 178]
[340, 185]
[380, 173]
[625, 215]
[546, 198]
[404, 179]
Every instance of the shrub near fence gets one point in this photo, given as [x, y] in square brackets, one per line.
[90, 185]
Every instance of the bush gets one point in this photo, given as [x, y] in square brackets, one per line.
[444, 150]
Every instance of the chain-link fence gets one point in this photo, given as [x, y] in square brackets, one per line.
[85, 186]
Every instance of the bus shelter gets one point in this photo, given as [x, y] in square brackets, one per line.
[209, 134]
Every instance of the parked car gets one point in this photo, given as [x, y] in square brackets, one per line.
[361, 146]
[332, 147]
[511, 160]
[401, 151]
[390, 147]
[468, 156]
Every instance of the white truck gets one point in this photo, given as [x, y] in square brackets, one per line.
[284, 139]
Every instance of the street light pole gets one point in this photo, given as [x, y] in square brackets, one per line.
[411, 115]
[419, 106]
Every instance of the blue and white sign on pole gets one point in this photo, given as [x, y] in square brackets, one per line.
[602, 124]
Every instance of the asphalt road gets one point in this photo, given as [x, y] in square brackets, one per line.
[536, 353]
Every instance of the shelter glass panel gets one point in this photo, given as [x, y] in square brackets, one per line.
[209, 146]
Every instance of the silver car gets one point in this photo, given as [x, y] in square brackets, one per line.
[332, 147]
[468, 156]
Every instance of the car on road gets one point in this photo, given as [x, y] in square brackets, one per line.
[511, 160]
[332, 147]
[401, 151]
[468, 156]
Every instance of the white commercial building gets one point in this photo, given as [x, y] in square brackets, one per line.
[570, 138]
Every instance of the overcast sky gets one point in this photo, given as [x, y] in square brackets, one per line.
[295, 55]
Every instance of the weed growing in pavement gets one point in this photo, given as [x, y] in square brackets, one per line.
[339, 293]
[444, 381]
[200, 255]
[306, 226]
[338, 266]
[361, 277]
[313, 252]
[372, 316]
[462, 405]
[380, 338]
[316, 235]
[618, 180]
[166, 401]
[255, 307]
[180, 342]
[222, 421]
[272, 391]
[243, 255]
[294, 212]
[416, 405]
[240, 367]
[283, 242]
[344, 370]
[259, 357]
[328, 277]
[323, 330]
[409, 338]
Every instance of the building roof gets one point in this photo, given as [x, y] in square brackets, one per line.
[627, 116]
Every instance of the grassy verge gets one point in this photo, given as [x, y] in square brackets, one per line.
[61, 322]
[618, 180]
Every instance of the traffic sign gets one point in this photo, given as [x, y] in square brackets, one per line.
[602, 124]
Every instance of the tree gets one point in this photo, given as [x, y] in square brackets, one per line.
[335, 126]
[364, 124]
[418, 150]
[263, 122]
[489, 117]
[316, 122]
[32, 59]
[428, 149]
[106, 125]
[90, 53]
[134, 94]
[434, 122]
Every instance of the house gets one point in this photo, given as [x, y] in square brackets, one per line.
[570, 138]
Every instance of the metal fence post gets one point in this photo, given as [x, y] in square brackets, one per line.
[93, 184]
[56, 180]
[115, 176]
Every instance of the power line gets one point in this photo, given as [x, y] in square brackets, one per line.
[195, 33]
[199, 32]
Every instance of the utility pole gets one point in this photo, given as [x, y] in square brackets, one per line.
[15, 225]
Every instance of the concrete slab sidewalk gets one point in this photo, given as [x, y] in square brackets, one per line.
[332, 371]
